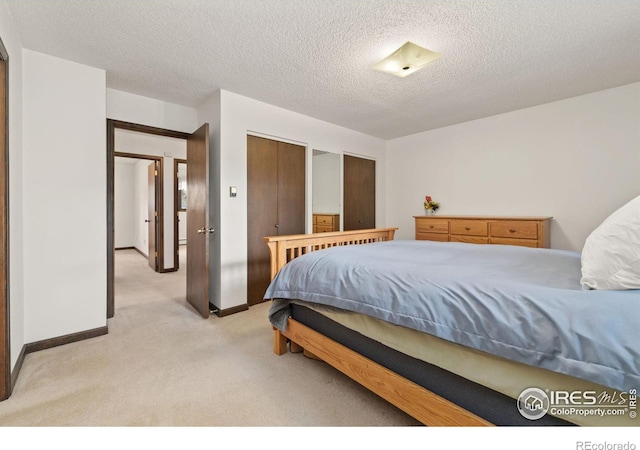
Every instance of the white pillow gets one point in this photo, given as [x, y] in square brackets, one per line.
[611, 254]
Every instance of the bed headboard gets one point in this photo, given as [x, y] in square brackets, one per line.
[285, 248]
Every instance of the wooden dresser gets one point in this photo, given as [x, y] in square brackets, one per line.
[323, 223]
[523, 231]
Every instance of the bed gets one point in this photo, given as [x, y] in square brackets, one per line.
[453, 333]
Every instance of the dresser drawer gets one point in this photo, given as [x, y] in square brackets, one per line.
[324, 220]
[432, 237]
[323, 223]
[470, 227]
[323, 229]
[514, 229]
[432, 226]
[470, 239]
[518, 242]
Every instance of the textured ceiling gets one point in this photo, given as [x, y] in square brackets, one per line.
[315, 56]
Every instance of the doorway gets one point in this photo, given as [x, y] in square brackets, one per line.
[197, 145]
[139, 206]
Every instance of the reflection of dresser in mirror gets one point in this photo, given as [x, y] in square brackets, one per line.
[326, 191]
[323, 223]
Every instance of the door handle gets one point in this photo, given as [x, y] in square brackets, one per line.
[146, 221]
[205, 230]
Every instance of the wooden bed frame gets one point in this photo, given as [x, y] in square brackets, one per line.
[420, 403]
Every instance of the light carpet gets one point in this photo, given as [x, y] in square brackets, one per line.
[163, 365]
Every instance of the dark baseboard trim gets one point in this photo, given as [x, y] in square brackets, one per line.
[66, 339]
[229, 311]
[18, 367]
[162, 270]
[50, 343]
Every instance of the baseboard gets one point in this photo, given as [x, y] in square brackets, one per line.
[66, 339]
[50, 343]
[133, 248]
[173, 269]
[18, 367]
[141, 252]
[229, 311]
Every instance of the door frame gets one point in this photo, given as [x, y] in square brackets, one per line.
[176, 210]
[6, 384]
[159, 201]
[112, 125]
[154, 217]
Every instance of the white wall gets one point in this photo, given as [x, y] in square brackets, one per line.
[64, 173]
[168, 149]
[238, 117]
[123, 205]
[576, 160]
[148, 111]
[13, 44]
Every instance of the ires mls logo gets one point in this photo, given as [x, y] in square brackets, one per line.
[534, 403]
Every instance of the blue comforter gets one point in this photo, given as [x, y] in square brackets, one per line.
[519, 303]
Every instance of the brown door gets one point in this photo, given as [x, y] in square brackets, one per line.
[275, 204]
[5, 348]
[359, 193]
[152, 215]
[291, 189]
[262, 212]
[198, 230]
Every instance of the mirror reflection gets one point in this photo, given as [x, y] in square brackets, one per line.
[182, 187]
[326, 191]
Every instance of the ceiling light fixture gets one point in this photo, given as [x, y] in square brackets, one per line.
[406, 60]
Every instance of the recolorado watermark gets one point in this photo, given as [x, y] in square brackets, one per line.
[534, 403]
[588, 445]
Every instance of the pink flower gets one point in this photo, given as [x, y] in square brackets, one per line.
[427, 198]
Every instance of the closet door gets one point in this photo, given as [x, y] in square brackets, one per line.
[291, 189]
[262, 212]
[275, 204]
[359, 193]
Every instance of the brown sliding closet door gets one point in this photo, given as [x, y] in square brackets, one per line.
[291, 189]
[359, 193]
[275, 204]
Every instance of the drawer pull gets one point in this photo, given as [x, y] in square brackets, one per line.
[430, 226]
[467, 228]
[512, 231]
